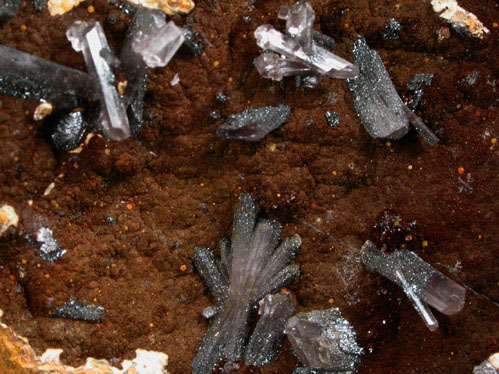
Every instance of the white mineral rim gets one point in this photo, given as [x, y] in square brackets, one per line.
[452, 12]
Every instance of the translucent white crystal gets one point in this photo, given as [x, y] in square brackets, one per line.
[324, 340]
[319, 60]
[273, 66]
[89, 38]
[299, 22]
[158, 43]
[419, 280]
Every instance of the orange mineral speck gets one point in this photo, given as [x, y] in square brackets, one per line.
[460, 170]
[183, 268]
[23, 28]
[129, 206]
[216, 63]
[90, 9]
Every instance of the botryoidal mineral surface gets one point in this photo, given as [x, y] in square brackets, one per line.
[324, 342]
[31, 77]
[422, 283]
[250, 267]
[254, 123]
[376, 101]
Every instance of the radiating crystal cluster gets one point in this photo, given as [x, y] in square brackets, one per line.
[376, 101]
[250, 268]
[324, 342]
[84, 312]
[422, 283]
[298, 52]
[254, 123]
[88, 38]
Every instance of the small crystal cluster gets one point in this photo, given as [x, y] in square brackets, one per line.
[83, 312]
[376, 101]
[300, 51]
[391, 30]
[422, 283]
[254, 123]
[324, 342]
[250, 268]
[416, 85]
[49, 249]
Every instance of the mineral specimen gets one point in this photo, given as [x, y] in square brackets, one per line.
[420, 281]
[249, 269]
[376, 101]
[49, 249]
[83, 312]
[391, 30]
[68, 131]
[489, 366]
[8, 9]
[264, 343]
[417, 83]
[30, 77]
[297, 52]
[333, 119]
[254, 123]
[40, 5]
[154, 39]
[8, 217]
[168, 6]
[88, 37]
[191, 42]
[135, 67]
[460, 18]
[324, 341]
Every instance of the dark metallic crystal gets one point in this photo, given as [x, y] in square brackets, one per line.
[333, 119]
[376, 101]
[40, 5]
[8, 9]
[191, 41]
[30, 77]
[68, 131]
[83, 312]
[263, 346]
[391, 30]
[254, 123]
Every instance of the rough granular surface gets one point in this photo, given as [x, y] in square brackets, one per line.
[130, 213]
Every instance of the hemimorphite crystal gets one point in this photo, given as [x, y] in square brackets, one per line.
[31, 77]
[323, 339]
[422, 283]
[376, 101]
[157, 41]
[297, 51]
[250, 267]
[254, 123]
[134, 66]
[263, 346]
[83, 312]
[88, 38]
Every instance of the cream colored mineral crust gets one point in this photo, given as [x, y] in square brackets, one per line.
[18, 357]
[59, 7]
[8, 217]
[167, 6]
[452, 12]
